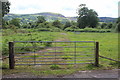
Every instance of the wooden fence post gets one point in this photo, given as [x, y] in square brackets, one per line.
[97, 54]
[11, 55]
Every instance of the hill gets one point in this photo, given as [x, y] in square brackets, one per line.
[50, 17]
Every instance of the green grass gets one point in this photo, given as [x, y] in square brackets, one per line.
[22, 35]
[108, 43]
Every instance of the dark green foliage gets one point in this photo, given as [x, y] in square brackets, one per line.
[103, 25]
[24, 26]
[4, 24]
[57, 24]
[67, 24]
[43, 29]
[87, 17]
[15, 22]
[117, 28]
[110, 25]
[5, 8]
[41, 19]
[118, 20]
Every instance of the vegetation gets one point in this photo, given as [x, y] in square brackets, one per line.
[5, 8]
[117, 28]
[108, 48]
[87, 17]
[40, 29]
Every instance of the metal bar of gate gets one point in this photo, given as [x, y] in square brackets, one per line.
[74, 56]
[54, 41]
[75, 53]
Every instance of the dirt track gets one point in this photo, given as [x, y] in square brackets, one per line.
[80, 74]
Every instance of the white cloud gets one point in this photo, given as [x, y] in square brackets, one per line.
[108, 8]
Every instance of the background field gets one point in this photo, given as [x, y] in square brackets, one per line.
[108, 48]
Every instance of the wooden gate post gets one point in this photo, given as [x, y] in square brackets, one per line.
[97, 54]
[11, 55]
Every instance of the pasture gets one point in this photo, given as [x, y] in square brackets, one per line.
[108, 48]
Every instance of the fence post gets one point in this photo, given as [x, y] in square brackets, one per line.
[97, 54]
[11, 55]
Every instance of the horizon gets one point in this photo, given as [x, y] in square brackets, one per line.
[55, 13]
[64, 7]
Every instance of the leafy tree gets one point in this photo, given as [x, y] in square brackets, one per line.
[103, 25]
[5, 8]
[57, 24]
[87, 17]
[73, 23]
[41, 19]
[109, 26]
[118, 20]
[15, 22]
[117, 28]
[4, 24]
[67, 24]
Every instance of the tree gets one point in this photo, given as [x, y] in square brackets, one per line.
[15, 22]
[4, 24]
[103, 25]
[5, 8]
[110, 25]
[67, 24]
[87, 17]
[118, 20]
[57, 24]
[117, 28]
[41, 19]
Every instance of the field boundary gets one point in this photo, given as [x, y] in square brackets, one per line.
[57, 53]
[108, 58]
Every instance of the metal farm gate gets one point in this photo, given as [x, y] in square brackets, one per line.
[53, 52]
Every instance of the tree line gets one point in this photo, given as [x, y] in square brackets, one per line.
[87, 18]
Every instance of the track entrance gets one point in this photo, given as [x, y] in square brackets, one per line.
[52, 52]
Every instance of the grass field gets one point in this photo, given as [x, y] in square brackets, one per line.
[108, 48]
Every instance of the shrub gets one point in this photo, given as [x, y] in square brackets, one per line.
[43, 29]
[55, 30]
[69, 29]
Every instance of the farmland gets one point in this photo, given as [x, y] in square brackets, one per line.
[108, 48]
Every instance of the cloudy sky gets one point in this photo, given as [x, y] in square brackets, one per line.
[104, 8]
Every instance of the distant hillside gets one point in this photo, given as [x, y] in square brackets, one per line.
[25, 18]
[50, 14]
[107, 19]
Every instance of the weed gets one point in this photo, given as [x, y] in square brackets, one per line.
[54, 67]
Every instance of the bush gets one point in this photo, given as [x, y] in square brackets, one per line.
[43, 29]
[69, 29]
[88, 30]
[55, 30]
